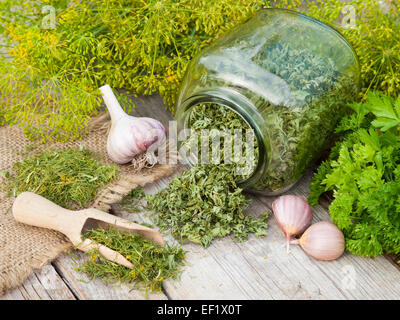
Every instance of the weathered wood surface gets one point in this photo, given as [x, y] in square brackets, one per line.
[44, 284]
[85, 289]
[261, 269]
[257, 269]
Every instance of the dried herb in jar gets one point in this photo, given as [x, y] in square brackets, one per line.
[298, 133]
[312, 104]
[216, 121]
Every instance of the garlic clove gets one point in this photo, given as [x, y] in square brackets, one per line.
[293, 215]
[322, 241]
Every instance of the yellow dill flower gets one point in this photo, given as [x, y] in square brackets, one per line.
[93, 257]
[158, 5]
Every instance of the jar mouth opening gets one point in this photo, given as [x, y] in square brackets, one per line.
[189, 106]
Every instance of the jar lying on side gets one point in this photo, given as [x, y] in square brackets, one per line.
[289, 77]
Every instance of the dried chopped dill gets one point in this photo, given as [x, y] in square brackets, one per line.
[211, 116]
[205, 203]
[152, 262]
[69, 177]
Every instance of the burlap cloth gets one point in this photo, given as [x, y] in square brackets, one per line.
[24, 248]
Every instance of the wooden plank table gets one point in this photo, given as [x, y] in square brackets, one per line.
[257, 269]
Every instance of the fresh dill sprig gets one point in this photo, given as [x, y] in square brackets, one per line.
[49, 77]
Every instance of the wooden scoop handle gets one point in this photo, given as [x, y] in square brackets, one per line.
[106, 252]
[32, 209]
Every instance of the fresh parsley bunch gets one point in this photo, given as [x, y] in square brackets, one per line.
[363, 171]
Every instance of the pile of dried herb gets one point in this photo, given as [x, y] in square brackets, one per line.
[217, 121]
[69, 177]
[205, 203]
[152, 262]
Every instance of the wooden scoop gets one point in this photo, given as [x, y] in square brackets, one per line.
[32, 209]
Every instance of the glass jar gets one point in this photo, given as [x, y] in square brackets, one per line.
[289, 76]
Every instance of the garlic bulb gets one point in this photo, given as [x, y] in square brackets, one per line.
[322, 241]
[130, 136]
[293, 215]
